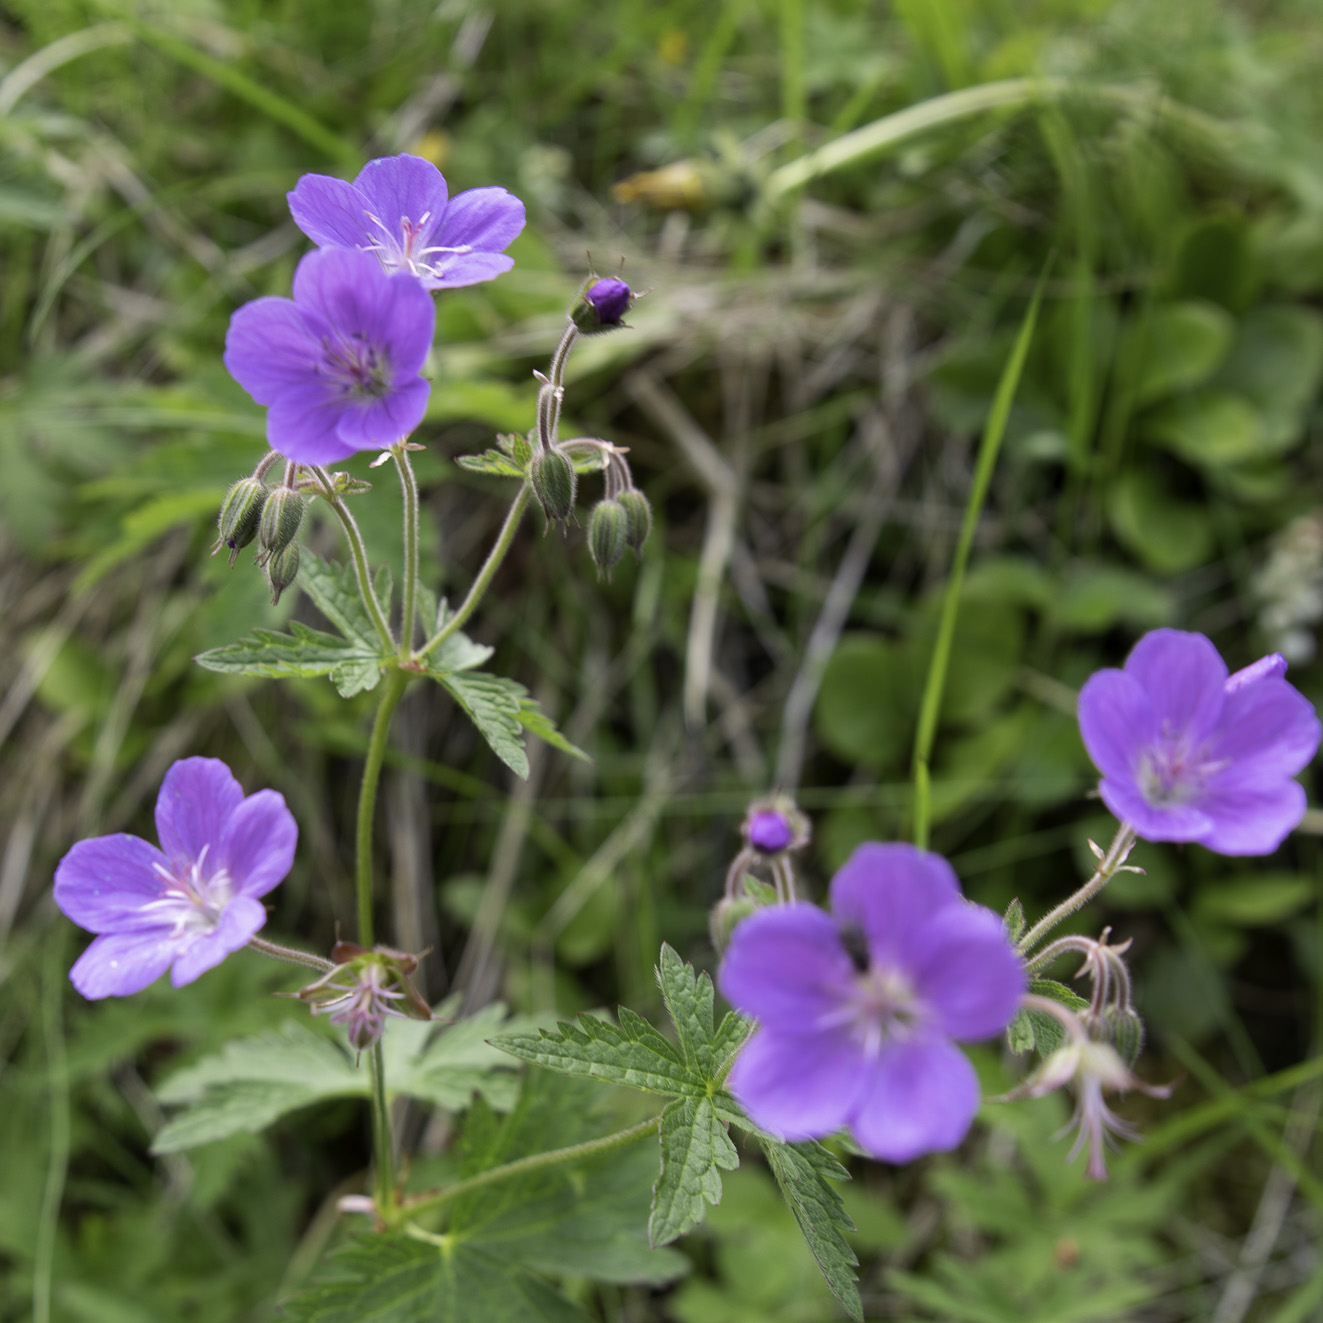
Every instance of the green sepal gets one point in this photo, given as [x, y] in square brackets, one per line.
[1036, 1029]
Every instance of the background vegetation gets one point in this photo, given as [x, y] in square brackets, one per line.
[800, 395]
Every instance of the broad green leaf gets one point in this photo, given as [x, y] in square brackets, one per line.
[865, 708]
[1210, 429]
[302, 652]
[689, 1001]
[695, 1149]
[492, 703]
[458, 652]
[398, 1278]
[634, 1054]
[1256, 900]
[448, 1065]
[536, 722]
[1168, 535]
[356, 677]
[334, 592]
[1277, 364]
[1095, 598]
[1178, 346]
[253, 1082]
[802, 1171]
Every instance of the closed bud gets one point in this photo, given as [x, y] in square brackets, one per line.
[1126, 1031]
[607, 532]
[639, 518]
[602, 306]
[282, 568]
[554, 484]
[282, 516]
[240, 515]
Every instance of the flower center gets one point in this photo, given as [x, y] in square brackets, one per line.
[1171, 772]
[194, 899]
[357, 367]
[408, 250]
[879, 1006]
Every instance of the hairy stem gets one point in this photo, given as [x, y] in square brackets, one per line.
[485, 575]
[1117, 853]
[552, 1158]
[356, 546]
[290, 955]
[382, 1141]
[409, 486]
[392, 688]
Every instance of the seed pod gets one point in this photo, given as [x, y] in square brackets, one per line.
[607, 535]
[554, 484]
[282, 516]
[240, 515]
[602, 306]
[639, 515]
[282, 568]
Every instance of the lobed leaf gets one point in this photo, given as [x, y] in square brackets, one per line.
[302, 652]
[490, 461]
[802, 1171]
[695, 1149]
[334, 592]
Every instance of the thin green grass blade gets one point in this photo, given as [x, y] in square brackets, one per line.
[988, 449]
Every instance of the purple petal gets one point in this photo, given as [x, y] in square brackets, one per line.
[102, 884]
[965, 970]
[1154, 822]
[329, 211]
[486, 219]
[257, 845]
[888, 891]
[119, 964]
[797, 1087]
[240, 919]
[1271, 666]
[1183, 676]
[1246, 821]
[921, 1097]
[269, 349]
[383, 422]
[787, 968]
[302, 425]
[197, 796]
[1269, 730]
[468, 269]
[1116, 722]
[399, 188]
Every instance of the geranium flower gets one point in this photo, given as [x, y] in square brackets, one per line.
[399, 209]
[186, 906]
[857, 1010]
[1189, 753]
[338, 365]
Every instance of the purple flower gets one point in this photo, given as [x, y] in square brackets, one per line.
[1189, 753]
[186, 906]
[857, 1010]
[338, 366]
[398, 208]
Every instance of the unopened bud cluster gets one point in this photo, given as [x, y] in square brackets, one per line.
[365, 988]
[622, 520]
[773, 829]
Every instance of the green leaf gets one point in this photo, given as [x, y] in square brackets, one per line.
[634, 1054]
[399, 1279]
[253, 1082]
[802, 1171]
[1036, 1029]
[1178, 346]
[689, 1001]
[356, 677]
[536, 722]
[1013, 920]
[1253, 901]
[334, 592]
[695, 1150]
[1168, 535]
[490, 461]
[1096, 598]
[492, 703]
[1210, 429]
[301, 652]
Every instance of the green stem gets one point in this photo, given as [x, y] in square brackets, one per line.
[359, 550]
[291, 955]
[574, 1153]
[383, 1156]
[989, 446]
[409, 487]
[392, 689]
[480, 585]
[1117, 853]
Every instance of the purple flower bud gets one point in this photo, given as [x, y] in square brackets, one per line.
[603, 305]
[769, 831]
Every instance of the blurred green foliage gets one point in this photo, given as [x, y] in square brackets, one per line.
[800, 395]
